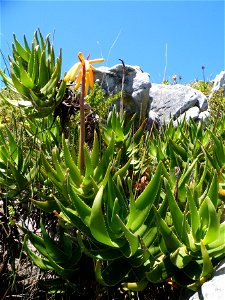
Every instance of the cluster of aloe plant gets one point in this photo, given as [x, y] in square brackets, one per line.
[35, 76]
[171, 229]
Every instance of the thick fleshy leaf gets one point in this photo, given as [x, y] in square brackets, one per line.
[43, 70]
[75, 220]
[170, 239]
[114, 273]
[213, 189]
[20, 49]
[25, 77]
[107, 253]
[219, 149]
[219, 241]
[84, 211]
[140, 209]
[42, 263]
[161, 271]
[180, 258]
[95, 153]
[65, 273]
[213, 223]
[179, 149]
[46, 205]
[131, 238]
[194, 215]
[135, 286]
[184, 179]
[178, 216]
[52, 248]
[75, 174]
[207, 264]
[97, 222]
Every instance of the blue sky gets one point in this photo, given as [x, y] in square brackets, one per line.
[139, 32]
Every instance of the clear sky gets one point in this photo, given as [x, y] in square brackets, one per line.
[139, 32]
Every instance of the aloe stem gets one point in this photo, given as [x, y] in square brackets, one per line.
[82, 121]
[122, 89]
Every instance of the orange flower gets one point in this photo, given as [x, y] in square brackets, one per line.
[76, 72]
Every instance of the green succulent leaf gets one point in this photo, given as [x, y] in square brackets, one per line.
[140, 209]
[131, 238]
[213, 189]
[42, 263]
[220, 241]
[219, 149]
[27, 48]
[37, 241]
[114, 273]
[95, 154]
[161, 271]
[97, 221]
[20, 49]
[25, 77]
[83, 210]
[66, 273]
[23, 90]
[75, 220]
[179, 150]
[52, 248]
[184, 179]
[102, 254]
[210, 216]
[180, 258]
[178, 216]
[207, 264]
[194, 214]
[170, 239]
[123, 171]
[43, 70]
[47, 205]
[75, 174]
[135, 286]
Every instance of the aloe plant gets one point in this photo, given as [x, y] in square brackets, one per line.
[61, 256]
[192, 238]
[17, 168]
[113, 232]
[170, 229]
[35, 76]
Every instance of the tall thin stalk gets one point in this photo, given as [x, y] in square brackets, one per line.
[86, 80]
[82, 120]
[122, 89]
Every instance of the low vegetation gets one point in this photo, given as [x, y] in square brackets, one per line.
[142, 217]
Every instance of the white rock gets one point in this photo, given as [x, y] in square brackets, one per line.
[204, 115]
[192, 112]
[171, 101]
[214, 288]
[219, 82]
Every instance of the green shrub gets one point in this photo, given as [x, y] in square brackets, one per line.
[204, 87]
[99, 102]
[217, 103]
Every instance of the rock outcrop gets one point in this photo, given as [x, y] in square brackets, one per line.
[136, 87]
[219, 82]
[177, 101]
[212, 289]
[158, 102]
